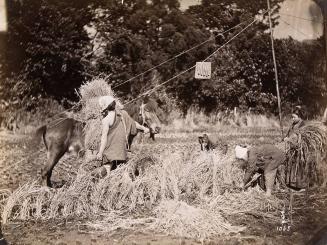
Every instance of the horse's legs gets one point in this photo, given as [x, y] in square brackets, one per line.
[54, 155]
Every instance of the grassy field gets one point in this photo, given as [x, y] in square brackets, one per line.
[182, 196]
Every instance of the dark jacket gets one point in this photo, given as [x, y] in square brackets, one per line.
[265, 158]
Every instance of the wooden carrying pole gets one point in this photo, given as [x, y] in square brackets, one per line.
[275, 68]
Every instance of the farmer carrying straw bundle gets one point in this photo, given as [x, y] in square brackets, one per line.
[117, 126]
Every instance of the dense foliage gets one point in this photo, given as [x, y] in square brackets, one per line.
[56, 45]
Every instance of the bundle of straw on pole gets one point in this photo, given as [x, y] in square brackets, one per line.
[306, 151]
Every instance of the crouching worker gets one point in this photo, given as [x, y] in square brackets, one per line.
[210, 143]
[262, 164]
[117, 125]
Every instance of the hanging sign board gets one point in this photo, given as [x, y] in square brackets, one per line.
[203, 70]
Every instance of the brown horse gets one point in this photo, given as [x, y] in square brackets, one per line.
[147, 113]
[67, 135]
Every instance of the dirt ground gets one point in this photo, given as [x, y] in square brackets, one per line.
[20, 161]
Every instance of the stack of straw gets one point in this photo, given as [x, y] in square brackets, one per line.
[183, 220]
[91, 111]
[189, 193]
[306, 151]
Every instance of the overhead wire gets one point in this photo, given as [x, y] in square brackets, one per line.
[183, 52]
[190, 68]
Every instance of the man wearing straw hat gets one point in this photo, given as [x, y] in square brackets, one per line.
[117, 125]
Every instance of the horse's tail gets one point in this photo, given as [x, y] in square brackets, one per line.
[40, 132]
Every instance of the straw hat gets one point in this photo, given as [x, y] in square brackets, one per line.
[241, 152]
[105, 101]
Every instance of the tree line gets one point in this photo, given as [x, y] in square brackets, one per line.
[53, 46]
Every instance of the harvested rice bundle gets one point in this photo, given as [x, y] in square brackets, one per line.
[91, 110]
[180, 219]
[252, 202]
[27, 202]
[204, 174]
[95, 88]
[306, 151]
[163, 177]
[73, 200]
[122, 190]
[92, 134]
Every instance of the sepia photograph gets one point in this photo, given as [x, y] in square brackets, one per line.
[163, 122]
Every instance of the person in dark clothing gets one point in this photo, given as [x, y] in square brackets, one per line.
[297, 121]
[266, 159]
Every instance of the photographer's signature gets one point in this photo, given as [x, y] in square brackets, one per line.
[285, 223]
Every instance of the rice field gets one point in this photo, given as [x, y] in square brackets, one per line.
[180, 195]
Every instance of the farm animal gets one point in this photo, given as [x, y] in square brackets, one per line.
[265, 160]
[209, 143]
[63, 135]
[66, 135]
[147, 113]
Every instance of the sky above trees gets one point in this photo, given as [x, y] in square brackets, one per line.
[298, 29]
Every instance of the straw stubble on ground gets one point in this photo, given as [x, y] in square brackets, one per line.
[183, 191]
[177, 180]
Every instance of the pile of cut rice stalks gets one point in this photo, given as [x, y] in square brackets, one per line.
[306, 151]
[178, 191]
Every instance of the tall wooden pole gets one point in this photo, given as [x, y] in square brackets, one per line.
[323, 7]
[324, 14]
[275, 68]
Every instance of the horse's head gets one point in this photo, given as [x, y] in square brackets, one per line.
[149, 113]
